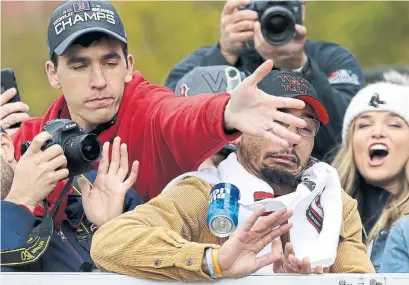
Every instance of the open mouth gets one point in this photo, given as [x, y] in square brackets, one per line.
[378, 154]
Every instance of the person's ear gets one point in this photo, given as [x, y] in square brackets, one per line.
[7, 148]
[52, 75]
[129, 69]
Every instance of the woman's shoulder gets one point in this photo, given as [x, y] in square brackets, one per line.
[403, 224]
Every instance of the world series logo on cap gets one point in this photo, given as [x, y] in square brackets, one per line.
[80, 6]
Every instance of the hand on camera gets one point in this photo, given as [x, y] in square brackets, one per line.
[287, 57]
[37, 173]
[289, 263]
[104, 200]
[12, 113]
[236, 28]
[238, 256]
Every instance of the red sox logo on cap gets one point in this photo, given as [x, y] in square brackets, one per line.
[293, 84]
[375, 101]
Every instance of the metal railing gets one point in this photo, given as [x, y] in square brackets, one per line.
[115, 279]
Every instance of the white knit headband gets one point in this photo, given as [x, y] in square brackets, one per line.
[382, 96]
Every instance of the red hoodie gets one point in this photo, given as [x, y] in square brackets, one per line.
[167, 134]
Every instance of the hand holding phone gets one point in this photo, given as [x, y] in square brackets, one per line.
[12, 111]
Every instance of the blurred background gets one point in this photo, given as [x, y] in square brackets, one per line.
[162, 33]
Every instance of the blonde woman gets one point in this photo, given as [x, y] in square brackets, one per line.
[373, 159]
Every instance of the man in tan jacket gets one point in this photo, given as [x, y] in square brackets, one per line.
[168, 238]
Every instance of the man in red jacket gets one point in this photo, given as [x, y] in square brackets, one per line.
[167, 134]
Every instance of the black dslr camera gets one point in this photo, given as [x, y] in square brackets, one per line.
[277, 19]
[81, 149]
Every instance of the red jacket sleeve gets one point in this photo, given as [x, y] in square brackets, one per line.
[191, 127]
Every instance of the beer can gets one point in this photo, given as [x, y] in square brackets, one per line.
[223, 213]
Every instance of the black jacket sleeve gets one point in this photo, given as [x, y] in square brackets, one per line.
[204, 56]
[337, 76]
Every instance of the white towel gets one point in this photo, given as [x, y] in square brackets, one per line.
[312, 237]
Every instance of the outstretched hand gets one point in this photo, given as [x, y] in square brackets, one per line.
[252, 111]
[238, 256]
[105, 199]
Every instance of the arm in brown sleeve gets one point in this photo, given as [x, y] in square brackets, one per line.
[157, 239]
[352, 254]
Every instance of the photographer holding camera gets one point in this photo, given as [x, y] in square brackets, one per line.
[26, 183]
[254, 31]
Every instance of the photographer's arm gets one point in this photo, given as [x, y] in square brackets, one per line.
[16, 225]
[35, 176]
[236, 27]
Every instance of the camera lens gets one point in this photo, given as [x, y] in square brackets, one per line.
[277, 25]
[90, 148]
[82, 149]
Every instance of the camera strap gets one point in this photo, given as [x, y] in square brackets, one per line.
[39, 238]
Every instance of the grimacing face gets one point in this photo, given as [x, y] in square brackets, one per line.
[92, 79]
[380, 147]
[272, 163]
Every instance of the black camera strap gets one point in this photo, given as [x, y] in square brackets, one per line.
[39, 238]
[64, 193]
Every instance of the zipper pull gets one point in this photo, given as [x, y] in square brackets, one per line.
[61, 234]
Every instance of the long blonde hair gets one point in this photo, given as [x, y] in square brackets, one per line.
[397, 205]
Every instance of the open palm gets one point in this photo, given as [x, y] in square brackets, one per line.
[105, 199]
[238, 256]
[252, 111]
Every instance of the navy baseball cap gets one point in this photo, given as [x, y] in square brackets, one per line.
[76, 18]
[288, 84]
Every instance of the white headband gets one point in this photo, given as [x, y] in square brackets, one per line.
[382, 96]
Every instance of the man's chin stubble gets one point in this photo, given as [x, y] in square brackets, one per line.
[278, 176]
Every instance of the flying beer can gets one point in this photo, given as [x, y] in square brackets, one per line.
[223, 212]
